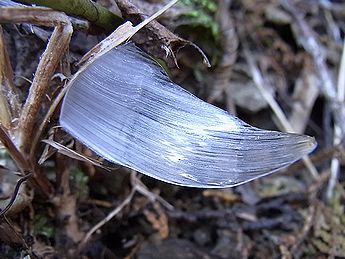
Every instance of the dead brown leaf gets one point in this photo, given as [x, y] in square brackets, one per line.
[154, 38]
[158, 219]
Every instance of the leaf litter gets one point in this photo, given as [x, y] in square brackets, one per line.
[287, 215]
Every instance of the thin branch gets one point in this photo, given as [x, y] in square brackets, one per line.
[73, 154]
[86, 9]
[120, 35]
[12, 150]
[9, 103]
[318, 53]
[24, 165]
[137, 186]
[123, 33]
[143, 190]
[335, 164]
[335, 96]
[229, 45]
[15, 193]
[305, 93]
[259, 82]
[111, 215]
[56, 48]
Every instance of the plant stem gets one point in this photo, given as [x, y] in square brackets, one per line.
[86, 9]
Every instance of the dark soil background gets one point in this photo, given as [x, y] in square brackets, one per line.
[294, 46]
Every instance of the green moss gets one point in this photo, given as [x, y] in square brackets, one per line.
[79, 184]
[43, 227]
[207, 5]
[201, 15]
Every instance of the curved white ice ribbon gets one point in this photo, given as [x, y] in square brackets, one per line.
[125, 108]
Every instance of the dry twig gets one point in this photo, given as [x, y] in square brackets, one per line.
[155, 38]
[338, 134]
[111, 215]
[229, 44]
[12, 150]
[306, 91]
[120, 35]
[259, 82]
[335, 97]
[56, 47]
[137, 186]
[15, 193]
[9, 103]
